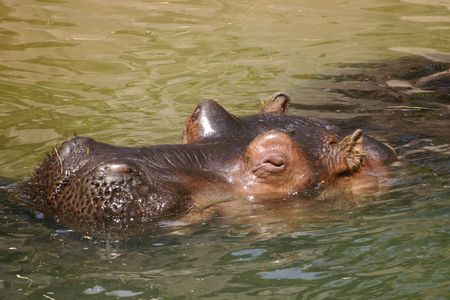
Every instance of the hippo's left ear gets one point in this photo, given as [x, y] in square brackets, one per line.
[350, 152]
[279, 104]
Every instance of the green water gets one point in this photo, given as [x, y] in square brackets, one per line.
[130, 72]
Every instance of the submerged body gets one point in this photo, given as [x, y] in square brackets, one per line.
[89, 185]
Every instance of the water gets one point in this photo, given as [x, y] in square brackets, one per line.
[130, 72]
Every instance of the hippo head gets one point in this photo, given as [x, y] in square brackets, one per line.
[282, 155]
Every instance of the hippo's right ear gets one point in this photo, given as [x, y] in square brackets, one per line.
[279, 104]
[350, 152]
[208, 122]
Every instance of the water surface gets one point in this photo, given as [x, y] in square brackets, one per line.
[130, 72]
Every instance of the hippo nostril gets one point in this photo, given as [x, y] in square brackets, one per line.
[76, 146]
[65, 149]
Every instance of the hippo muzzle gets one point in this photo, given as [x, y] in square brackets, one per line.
[95, 183]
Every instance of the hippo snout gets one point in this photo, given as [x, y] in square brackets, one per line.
[84, 181]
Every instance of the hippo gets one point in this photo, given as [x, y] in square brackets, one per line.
[91, 186]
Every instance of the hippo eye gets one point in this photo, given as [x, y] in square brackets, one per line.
[269, 167]
[277, 162]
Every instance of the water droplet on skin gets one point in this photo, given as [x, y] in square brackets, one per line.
[38, 215]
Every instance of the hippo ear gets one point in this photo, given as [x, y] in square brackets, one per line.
[279, 104]
[208, 122]
[351, 152]
[273, 155]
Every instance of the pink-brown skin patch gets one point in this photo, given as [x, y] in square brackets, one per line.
[272, 164]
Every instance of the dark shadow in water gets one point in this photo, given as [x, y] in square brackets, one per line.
[403, 80]
[413, 92]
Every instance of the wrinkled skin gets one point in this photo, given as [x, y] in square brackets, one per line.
[91, 186]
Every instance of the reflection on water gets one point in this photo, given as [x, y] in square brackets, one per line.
[129, 72]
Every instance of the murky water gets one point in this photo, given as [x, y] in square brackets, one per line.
[129, 72]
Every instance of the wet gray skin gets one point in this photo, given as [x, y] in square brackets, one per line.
[92, 186]
[312, 134]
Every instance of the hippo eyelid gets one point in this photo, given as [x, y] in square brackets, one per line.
[275, 161]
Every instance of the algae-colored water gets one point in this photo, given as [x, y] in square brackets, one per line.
[130, 72]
